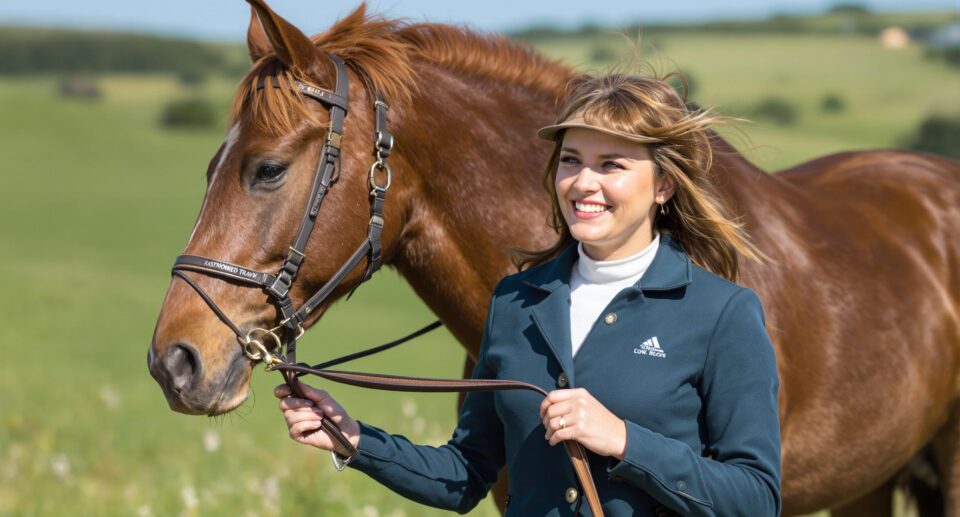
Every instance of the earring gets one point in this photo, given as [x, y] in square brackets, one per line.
[664, 210]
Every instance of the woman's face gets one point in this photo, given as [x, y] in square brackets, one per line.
[608, 192]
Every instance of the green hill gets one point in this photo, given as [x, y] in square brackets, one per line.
[40, 51]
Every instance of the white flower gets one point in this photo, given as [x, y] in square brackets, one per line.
[189, 496]
[110, 397]
[211, 440]
[61, 466]
[409, 408]
[271, 493]
[12, 464]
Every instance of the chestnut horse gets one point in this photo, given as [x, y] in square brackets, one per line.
[861, 295]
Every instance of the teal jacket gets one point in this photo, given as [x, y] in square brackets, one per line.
[686, 363]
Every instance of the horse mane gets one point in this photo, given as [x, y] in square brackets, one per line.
[382, 52]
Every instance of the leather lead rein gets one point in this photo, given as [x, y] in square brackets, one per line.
[265, 344]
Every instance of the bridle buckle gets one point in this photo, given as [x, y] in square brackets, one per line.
[254, 348]
[372, 177]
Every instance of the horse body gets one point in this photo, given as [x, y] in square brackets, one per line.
[862, 309]
[860, 296]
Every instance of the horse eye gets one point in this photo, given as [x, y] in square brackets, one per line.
[269, 172]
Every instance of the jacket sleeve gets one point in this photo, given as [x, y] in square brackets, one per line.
[455, 476]
[739, 393]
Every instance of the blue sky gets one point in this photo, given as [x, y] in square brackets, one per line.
[226, 19]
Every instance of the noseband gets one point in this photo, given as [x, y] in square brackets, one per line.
[266, 345]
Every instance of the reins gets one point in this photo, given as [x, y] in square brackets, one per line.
[265, 345]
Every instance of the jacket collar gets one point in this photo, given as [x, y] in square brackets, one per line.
[670, 269]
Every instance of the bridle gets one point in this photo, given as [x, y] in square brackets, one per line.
[260, 344]
[277, 286]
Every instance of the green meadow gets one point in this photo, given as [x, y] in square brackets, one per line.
[98, 199]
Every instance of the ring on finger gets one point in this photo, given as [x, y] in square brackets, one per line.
[562, 423]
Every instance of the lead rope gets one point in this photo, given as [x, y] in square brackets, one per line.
[577, 453]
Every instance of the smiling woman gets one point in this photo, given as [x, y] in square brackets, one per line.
[684, 422]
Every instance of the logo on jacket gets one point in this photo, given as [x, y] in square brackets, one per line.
[651, 347]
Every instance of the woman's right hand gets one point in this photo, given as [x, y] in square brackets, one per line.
[304, 417]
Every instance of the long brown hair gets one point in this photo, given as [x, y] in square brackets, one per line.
[696, 218]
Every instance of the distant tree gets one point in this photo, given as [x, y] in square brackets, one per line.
[950, 55]
[849, 8]
[191, 77]
[776, 110]
[602, 53]
[32, 51]
[195, 113]
[832, 103]
[937, 134]
[538, 33]
[589, 29]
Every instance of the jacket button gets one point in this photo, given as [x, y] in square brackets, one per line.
[571, 495]
[681, 486]
[562, 380]
[610, 318]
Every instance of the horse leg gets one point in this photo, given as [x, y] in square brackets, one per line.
[921, 486]
[878, 503]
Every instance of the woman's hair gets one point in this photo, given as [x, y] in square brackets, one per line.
[696, 219]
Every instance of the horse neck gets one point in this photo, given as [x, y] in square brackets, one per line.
[764, 202]
[467, 150]
[741, 183]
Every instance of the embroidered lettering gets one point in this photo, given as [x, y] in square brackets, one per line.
[651, 347]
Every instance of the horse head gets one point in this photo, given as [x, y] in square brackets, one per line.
[259, 186]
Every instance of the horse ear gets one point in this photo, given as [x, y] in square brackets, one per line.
[293, 47]
[257, 43]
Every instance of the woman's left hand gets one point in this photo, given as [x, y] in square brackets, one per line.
[573, 414]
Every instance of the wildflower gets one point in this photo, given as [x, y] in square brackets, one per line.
[110, 397]
[211, 440]
[61, 466]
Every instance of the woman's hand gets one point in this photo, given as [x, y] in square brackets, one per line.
[304, 416]
[573, 414]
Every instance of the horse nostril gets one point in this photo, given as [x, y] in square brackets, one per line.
[183, 365]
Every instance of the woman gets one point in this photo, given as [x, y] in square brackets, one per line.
[659, 364]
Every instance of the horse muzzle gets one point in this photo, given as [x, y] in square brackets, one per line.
[191, 387]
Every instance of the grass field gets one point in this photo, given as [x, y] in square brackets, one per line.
[98, 200]
[886, 92]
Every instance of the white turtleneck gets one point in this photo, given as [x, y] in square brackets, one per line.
[594, 283]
